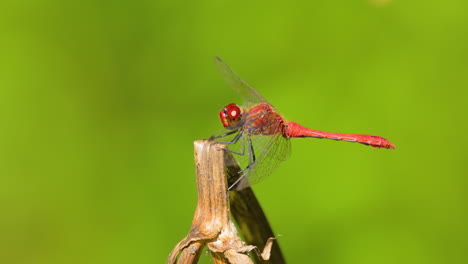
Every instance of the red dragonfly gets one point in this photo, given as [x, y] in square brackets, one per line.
[264, 132]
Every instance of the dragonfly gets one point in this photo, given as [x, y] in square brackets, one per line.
[265, 134]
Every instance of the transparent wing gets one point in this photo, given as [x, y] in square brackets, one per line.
[248, 94]
[270, 151]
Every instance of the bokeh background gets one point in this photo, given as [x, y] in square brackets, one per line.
[100, 102]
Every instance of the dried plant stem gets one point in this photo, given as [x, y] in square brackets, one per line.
[212, 226]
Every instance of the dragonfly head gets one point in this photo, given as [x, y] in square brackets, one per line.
[231, 116]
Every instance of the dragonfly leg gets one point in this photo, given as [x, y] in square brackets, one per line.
[234, 141]
[251, 155]
[244, 171]
[236, 182]
[251, 151]
[223, 135]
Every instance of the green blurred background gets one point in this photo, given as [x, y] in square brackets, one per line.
[100, 102]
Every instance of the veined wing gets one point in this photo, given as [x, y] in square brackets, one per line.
[248, 94]
[270, 151]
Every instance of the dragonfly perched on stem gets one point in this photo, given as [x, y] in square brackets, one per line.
[265, 134]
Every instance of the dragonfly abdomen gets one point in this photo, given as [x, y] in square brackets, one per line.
[295, 130]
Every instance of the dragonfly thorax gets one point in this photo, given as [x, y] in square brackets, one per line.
[231, 116]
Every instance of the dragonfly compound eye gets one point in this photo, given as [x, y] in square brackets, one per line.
[233, 111]
[230, 116]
